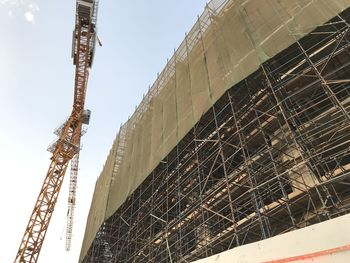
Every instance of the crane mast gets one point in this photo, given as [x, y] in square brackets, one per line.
[71, 199]
[68, 143]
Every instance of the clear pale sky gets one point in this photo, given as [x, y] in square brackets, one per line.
[36, 88]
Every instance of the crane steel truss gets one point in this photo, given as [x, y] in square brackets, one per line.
[66, 147]
[71, 199]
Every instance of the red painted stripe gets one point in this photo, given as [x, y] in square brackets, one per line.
[311, 255]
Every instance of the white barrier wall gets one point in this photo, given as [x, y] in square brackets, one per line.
[324, 242]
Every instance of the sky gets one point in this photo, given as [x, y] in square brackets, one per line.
[36, 90]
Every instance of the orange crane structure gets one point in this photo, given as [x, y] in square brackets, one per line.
[67, 145]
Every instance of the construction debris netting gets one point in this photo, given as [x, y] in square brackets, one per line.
[229, 41]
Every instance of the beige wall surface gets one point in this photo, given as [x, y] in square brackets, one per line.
[309, 244]
[229, 41]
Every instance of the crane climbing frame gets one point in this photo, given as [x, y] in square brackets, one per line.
[68, 142]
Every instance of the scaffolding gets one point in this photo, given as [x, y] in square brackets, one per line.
[270, 156]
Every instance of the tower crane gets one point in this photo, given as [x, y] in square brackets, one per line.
[67, 145]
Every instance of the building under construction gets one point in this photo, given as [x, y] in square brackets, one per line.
[245, 135]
